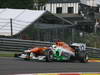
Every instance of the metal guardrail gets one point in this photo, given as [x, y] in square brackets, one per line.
[20, 45]
[93, 52]
[92, 48]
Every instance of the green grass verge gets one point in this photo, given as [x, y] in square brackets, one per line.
[94, 58]
[6, 55]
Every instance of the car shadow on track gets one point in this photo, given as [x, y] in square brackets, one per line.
[40, 61]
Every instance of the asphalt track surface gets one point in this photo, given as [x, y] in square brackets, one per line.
[9, 66]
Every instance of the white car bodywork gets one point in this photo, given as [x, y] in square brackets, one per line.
[80, 45]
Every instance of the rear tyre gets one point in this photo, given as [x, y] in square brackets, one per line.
[84, 59]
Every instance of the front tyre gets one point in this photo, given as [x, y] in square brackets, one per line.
[49, 55]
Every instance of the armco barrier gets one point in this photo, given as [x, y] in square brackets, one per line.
[93, 52]
[20, 45]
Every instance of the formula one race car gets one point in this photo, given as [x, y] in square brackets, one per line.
[75, 51]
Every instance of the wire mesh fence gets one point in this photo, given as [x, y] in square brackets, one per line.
[11, 25]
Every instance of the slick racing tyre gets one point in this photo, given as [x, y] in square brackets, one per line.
[84, 59]
[49, 55]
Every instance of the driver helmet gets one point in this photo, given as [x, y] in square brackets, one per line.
[54, 46]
